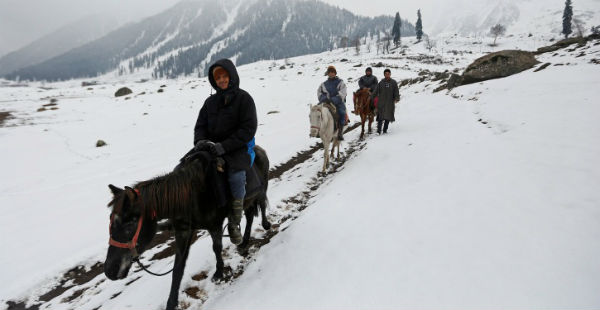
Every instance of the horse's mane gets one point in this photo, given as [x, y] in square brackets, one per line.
[171, 194]
[176, 192]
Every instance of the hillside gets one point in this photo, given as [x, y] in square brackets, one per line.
[184, 38]
[483, 196]
[468, 18]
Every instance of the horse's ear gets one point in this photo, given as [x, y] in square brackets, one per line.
[115, 190]
[131, 194]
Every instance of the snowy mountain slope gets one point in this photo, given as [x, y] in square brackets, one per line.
[483, 196]
[184, 38]
[520, 17]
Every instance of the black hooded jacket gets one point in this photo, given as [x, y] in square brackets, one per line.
[228, 117]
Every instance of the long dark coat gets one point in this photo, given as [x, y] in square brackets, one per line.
[228, 117]
[388, 93]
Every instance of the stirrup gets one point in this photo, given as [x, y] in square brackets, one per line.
[235, 234]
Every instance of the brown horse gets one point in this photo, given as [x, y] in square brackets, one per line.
[362, 107]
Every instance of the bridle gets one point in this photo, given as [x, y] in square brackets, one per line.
[132, 244]
[318, 128]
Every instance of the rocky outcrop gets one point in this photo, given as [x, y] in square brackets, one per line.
[561, 44]
[498, 65]
[123, 91]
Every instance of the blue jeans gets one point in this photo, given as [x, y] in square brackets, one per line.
[237, 183]
[341, 110]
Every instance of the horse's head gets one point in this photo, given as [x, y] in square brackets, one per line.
[362, 101]
[131, 230]
[316, 119]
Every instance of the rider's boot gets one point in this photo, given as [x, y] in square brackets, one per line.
[235, 217]
[341, 134]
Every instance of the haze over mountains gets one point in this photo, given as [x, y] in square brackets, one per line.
[184, 38]
[466, 17]
[60, 41]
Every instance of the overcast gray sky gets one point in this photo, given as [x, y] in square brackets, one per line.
[23, 21]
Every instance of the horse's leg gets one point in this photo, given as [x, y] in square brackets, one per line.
[326, 160]
[370, 123]
[217, 236]
[363, 118]
[182, 243]
[335, 142]
[263, 213]
[249, 213]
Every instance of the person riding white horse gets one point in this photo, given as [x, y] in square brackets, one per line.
[322, 125]
[334, 90]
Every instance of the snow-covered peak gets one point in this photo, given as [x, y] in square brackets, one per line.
[466, 17]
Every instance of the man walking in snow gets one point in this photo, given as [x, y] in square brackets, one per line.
[334, 90]
[389, 95]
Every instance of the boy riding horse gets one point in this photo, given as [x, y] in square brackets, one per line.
[334, 90]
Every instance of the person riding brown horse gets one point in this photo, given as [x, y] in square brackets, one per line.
[364, 107]
[367, 81]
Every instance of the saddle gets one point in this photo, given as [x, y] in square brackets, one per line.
[329, 105]
[217, 177]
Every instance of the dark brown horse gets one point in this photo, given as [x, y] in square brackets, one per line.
[363, 107]
[185, 197]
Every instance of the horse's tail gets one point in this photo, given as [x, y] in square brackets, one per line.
[262, 201]
[263, 204]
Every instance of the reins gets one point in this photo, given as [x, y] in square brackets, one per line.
[131, 245]
[137, 260]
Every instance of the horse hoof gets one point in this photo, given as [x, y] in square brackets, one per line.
[266, 225]
[243, 248]
[217, 277]
[171, 306]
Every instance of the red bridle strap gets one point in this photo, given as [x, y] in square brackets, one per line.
[133, 243]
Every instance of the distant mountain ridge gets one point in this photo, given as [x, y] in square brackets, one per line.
[58, 42]
[185, 38]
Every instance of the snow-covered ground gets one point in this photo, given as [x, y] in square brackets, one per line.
[484, 196]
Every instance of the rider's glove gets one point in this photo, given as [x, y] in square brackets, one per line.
[217, 149]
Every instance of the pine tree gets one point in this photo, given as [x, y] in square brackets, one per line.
[419, 26]
[396, 33]
[567, 16]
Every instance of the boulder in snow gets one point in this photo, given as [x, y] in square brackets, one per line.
[498, 65]
[123, 91]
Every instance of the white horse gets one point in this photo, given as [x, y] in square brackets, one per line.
[322, 125]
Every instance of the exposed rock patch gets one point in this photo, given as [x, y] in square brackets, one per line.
[498, 65]
[123, 91]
